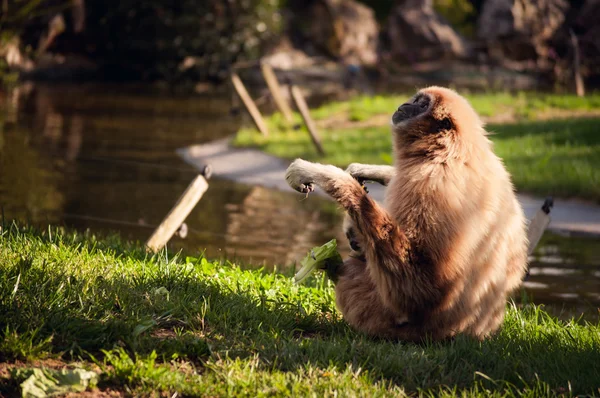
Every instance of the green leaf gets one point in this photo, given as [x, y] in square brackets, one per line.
[143, 326]
[162, 291]
[48, 382]
[316, 259]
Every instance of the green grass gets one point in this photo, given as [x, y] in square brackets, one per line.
[559, 157]
[165, 324]
[519, 105]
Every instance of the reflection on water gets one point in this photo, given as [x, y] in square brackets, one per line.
[566, 273]
[104, 160]
[273, 226]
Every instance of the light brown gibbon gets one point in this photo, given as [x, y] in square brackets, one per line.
[449, 245]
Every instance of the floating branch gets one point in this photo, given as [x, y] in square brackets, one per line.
[173, 222]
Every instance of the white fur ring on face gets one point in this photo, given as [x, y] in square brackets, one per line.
[298, 176]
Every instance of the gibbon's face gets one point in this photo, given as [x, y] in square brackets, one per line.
[416, 106]
[434, 112]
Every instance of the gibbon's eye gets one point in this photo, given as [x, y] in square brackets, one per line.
[422, 101]
[445, 124]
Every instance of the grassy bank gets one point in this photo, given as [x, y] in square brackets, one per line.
[168, 324]
[550, 143]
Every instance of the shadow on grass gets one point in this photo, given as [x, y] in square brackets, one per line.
[201, 311]
[558, 131]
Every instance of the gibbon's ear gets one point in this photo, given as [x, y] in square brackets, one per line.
[452, 113]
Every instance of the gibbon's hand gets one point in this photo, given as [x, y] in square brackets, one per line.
[371, 172]
[299, 177]
[355, 170]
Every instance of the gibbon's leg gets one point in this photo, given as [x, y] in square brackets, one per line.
[390, 261]
[357, 298]
[371, 172]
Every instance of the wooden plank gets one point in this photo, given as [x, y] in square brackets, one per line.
[178, 214]
[310, 124]
[579, 86]
[249, 104]
[275, 90]
[538, 224]
[536, 229]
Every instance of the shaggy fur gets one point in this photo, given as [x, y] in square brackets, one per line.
[450, 244]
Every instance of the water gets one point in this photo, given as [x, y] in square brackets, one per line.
[103, 159]
[565, 273]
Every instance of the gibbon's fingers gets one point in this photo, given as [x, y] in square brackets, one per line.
[370, 172]
[303, 176]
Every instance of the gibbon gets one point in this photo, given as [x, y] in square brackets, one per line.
[449, 244]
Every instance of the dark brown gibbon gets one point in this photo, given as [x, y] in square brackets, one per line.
[449, 244]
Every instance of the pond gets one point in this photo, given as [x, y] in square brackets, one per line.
[103, 159]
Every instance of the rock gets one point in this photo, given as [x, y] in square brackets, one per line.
[416, 33]
[285, 56]
[344, 29]
[520, 29]
[14, 57]
[587, 28]
[588, 16]
[537, 35]
[582, 21]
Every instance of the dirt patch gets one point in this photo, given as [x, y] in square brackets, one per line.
[6, 367]
[565, 114]
[163, 334]
[166, 334]
[97, 393]
[501, 118]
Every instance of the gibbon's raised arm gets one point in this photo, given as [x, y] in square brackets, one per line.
[391, 261]
[371, 172]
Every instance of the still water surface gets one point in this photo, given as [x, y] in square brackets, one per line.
[104, 159]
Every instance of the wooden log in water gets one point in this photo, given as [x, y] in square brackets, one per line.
[538, 224]
[310, 124]
[249, 104]
[275, 90]
[178, 214]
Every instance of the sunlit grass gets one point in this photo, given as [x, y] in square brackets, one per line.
[546, 156]
[520, 105]
[164, 324]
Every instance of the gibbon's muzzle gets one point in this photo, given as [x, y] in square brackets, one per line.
[406, 111]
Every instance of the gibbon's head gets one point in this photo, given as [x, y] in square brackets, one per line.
[435, 118]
